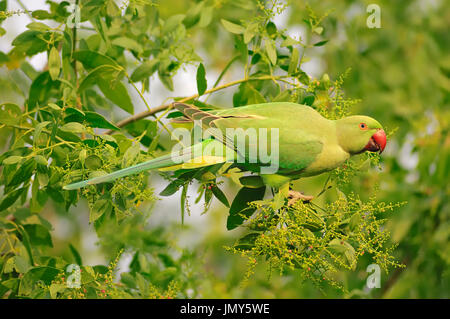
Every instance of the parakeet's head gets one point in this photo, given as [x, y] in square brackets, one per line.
[359, 133]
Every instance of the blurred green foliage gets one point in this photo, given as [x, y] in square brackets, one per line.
[52, 132]
[401, 74]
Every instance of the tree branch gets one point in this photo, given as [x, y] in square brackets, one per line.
[163, 107]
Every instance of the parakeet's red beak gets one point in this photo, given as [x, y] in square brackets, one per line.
[377, 142]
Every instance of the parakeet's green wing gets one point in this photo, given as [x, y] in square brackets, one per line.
[299, 128]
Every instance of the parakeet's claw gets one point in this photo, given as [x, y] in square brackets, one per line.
[294, 196]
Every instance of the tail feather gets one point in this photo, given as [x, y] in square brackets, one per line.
[183, 156]
[148, 165]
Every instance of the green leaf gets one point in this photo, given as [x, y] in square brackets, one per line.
[127, 279]
[101, 72]
[271, 51]
[9, 266]
[38, 197]
[10, 114]
[220, 195]
[97, 120]
[127, 43]
[303, 78]
[74, 111]
[38, 26]
[54, 106]
[166, 80]
[308, 99]
[242, 48]
[278, 201]
[29, 70]
[41, 15]
[248, 241]
[208, 196]
[100, 26]
[318, 30]
[337, 245]
[201, 79]
[93, 162]
[82, 156]
[19, 263]
[232, 27]
[55, 194]
[283, 96]
[100, 208]
[271, 28]
[41, 160]
[123, 141]
[30, 42]
[106, 77]
[3, 57]
[23, 173]
[255, 58]
[193, 15]
[355, 220]
[253, 95]
[250, 32]
[152, 129]
[73, 127]
[109, 138]
[320, 43]
[206, 17]
[42, 177]
[39, 235]
[92, 59]
[112, 9]
[294, 61]
[142, 284]
[12, 160]
[54, 63]
[117, 93]
[343, 247]
[183, 201]
[172, 23]
[289, 42]
[172, 188]
[240, 209]
[55, 288]
[145, 70]
[38, 130]
[131, 155]
[41, 89]
[252, 181]
[76, 255]
[34, 275]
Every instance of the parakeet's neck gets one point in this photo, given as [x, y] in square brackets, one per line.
[332, 154]
[341, 134]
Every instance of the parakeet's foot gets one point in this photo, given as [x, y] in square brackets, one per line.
[294, 196]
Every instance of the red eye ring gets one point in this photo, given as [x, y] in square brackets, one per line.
[363, 126]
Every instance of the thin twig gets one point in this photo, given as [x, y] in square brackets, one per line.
[45, 131]
[25, 9]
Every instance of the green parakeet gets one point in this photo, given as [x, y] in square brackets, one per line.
[307, 143]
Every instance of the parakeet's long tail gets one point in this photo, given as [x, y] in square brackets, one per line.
[185, 155]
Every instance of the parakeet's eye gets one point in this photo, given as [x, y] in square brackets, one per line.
[363, 126]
